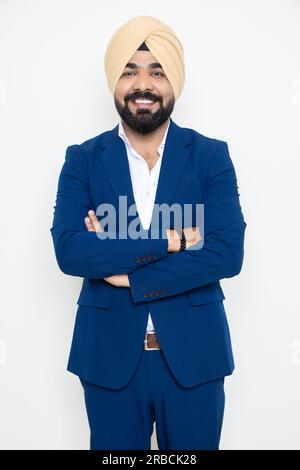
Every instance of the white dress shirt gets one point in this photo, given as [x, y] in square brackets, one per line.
[144, 184]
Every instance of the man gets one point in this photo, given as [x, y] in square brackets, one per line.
[151, 340]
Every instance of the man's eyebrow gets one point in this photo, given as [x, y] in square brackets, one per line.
[133, 66]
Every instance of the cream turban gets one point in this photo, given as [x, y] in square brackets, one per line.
[160, 40]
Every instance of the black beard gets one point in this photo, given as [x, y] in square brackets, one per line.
[144, 120]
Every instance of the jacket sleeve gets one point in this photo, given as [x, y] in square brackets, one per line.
[82, 253]
[222, 247]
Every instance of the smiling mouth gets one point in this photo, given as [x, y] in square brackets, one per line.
[139, 103]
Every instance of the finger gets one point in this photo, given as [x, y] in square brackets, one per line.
[199, 234]
[95, 221]
[89, 224]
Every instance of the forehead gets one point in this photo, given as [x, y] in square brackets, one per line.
[142, 58]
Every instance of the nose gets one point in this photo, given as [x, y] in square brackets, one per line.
[142, 81]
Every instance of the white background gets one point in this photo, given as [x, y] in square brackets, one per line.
[242, 86]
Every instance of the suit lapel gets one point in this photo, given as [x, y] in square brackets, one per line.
[175, 157]
[116, 165]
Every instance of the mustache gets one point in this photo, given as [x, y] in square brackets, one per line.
[145, 96]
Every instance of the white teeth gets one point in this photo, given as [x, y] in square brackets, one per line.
[143, 101]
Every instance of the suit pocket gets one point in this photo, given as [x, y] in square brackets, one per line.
[206, 294]
[100, 298]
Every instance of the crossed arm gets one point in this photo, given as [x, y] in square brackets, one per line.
[79, 251]
[192, 235]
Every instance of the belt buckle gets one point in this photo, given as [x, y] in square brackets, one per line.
[146, 346]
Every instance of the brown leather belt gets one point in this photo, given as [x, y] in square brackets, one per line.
[151, 342]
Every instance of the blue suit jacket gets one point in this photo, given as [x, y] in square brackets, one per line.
[181, 290]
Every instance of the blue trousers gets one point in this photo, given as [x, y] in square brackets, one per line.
[185, 418]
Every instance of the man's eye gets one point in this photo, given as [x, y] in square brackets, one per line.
[129, 73]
